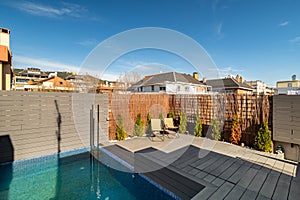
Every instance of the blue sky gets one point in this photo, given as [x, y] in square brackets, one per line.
[256, 39]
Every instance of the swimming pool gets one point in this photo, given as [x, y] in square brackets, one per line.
[77, 176]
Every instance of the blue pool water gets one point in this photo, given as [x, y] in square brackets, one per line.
[72, 177]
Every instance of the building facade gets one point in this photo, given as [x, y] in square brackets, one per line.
[170, 83]
[51, 84]
[230, 85]
[23, 77]
[6, 71]
[289, 87]
[260, 88]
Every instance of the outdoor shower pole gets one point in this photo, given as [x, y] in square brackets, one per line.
[92, 128]
[98, 126]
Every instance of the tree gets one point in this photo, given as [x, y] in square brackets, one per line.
[161, 117]
[120, 132]
[148, 124]
[171, 114]
[263, 140]
[235, 131]
[128, 78]
[138, 128]
[216, 134]
[183, 122]
[198, 126]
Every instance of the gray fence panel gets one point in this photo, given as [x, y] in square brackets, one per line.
[32, 120]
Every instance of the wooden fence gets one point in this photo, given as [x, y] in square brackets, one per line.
[251, 111]
[129, 105]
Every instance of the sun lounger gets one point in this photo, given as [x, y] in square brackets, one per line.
[169, 126]
[157, 128]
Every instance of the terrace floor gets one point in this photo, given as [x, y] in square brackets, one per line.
[199, 168]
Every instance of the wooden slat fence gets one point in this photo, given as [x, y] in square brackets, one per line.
[251, 111]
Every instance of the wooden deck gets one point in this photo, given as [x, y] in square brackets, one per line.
[244, 174]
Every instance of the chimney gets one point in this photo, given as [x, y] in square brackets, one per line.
[196, 76]
[239, 79]
[204, 80]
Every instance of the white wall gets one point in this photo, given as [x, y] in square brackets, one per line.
[181, 88]
[4, 39]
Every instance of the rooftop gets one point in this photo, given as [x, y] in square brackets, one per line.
[159, 79]
[226, 171]
[229, 82]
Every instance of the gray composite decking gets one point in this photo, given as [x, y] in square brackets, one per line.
[216, 176]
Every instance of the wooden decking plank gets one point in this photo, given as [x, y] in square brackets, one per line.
[187, 169]
[261, 197]
[282, 187]
[219, 170]
[222, 191]
[201, 174]
[216, 164]
[205, 194]
[269, 185]
[200, 161]
[209, 178]
[218, 182]
[294, 192]
[231, 170]
[248, 194]
[259, 180]
[235, 193]
[169, 187]
[247, 177]
[207, 163]
[239, 173]
[177, 182]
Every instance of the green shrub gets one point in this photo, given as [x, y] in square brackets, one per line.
[148, 125]
[120, 132]
[198, 126]
[171, 114]
[263, 139]
[216, 134]
[235, 131]
[138, 129]
[148, 119]
[161, 117]
[183, 122]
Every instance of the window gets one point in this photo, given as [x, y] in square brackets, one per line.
[162, 88]
[178, 88]
[60, 82]
[289, 85]
[187, 88]
[152, 88]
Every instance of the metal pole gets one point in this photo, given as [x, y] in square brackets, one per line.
[92, 128]
[98, 126]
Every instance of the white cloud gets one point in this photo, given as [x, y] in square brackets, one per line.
[285, 23]
[49, 65]
[143, 68]
[110, 77]
[295, 40]
[66, 9]
[88, 43]
[23, 62]
[219, 28]
[228, 71]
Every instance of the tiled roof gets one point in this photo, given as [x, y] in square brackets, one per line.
[228, 83]
[160, 79]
